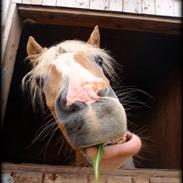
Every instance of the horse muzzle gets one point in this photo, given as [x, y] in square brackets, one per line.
[89, 125]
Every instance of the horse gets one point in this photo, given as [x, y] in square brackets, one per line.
[73, 77]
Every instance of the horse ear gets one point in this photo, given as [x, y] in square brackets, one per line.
[33, 47]
[95, 37]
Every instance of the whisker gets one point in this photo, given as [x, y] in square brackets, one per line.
[61, 146]
[42, 131]
[45, 147]
[49, 131]
[127, 90]
[131, 123]
[138, 162]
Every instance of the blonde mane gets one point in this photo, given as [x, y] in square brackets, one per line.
[43, 61]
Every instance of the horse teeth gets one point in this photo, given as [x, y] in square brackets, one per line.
[114, 142]
[122, 140]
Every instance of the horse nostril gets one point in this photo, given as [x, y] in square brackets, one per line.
[62, 100]
[107, 92]
[76, 106]
[63, 111]
[102, 92]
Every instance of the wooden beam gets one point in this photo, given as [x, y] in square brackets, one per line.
[141, 179]
[116, 179]
[164, 180]
[85, 170]
[56, 174]
[88, 18]
[10, 39]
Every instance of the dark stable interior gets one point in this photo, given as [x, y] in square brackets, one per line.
[150, 63]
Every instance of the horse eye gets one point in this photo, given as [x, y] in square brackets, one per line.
[99, 61]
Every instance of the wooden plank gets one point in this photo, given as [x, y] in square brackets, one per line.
[66, 3]
[141, 179]
[65, 178]
[115, 5]
[111, 179]
[86, 18]
[89, 171]
[99, 5]
[133, 6]
[148, 6]
[27, 177]
[10, 42]
[26, 1]
[82, 4]
[164, 8]
[177, 8]
[165, 180]
[37, 2]
[119, 179]
[65, 174]
[49, 2]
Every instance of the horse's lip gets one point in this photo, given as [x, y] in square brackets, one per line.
[129, 147]
[125, 138]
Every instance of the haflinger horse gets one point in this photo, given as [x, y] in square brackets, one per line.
[70, 78]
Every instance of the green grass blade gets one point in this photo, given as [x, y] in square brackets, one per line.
[96, 161]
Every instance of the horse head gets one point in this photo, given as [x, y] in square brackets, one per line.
[76, 90]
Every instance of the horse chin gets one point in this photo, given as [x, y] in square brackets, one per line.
[99, 122]
[117, 151]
